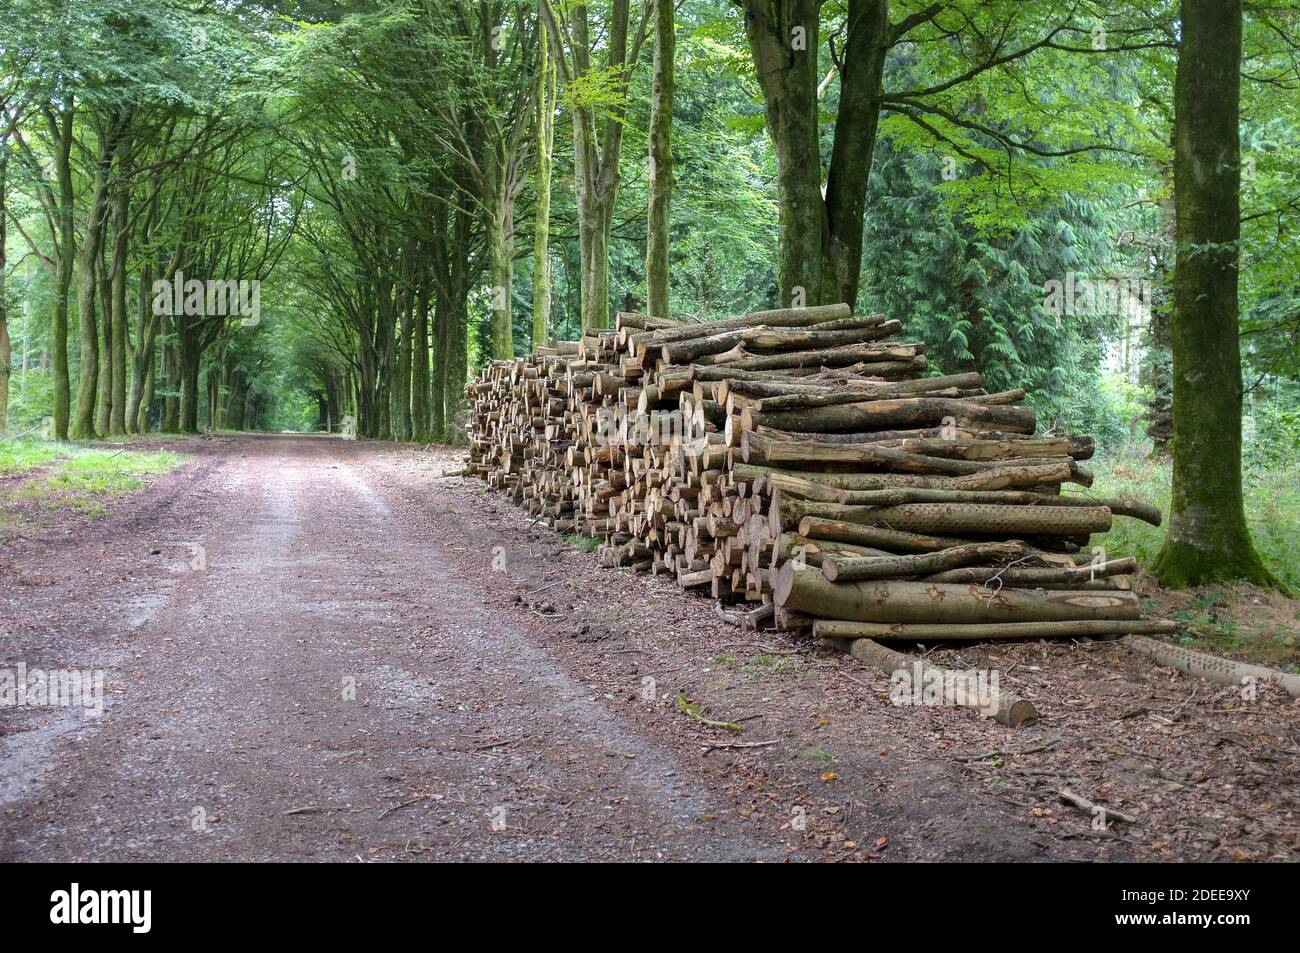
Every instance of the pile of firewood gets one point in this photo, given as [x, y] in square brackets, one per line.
[800, 463]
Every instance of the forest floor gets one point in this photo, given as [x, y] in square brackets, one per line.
[318, 649]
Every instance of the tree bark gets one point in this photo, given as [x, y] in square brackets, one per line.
[898, 412]
[597, 146]
[1006, 708]
[546, 87]
[921, 632]
[806, 590]
[500, 229]
[61, 129]
[1005, 520]
[87, 287]
[858, 568]
[661, 161]
[821, 238]
[1210, 667]
[420, 359]
[117, 418]
[1208, 537]
[6, 349]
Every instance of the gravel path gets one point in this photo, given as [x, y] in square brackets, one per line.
[318, 650]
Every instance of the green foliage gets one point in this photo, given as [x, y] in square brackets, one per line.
[19, 454]
[977, 299]
[83, 479]
[1272, 498]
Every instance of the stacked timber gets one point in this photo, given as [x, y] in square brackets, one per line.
[801, 463]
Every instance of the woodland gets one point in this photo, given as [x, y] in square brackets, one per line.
[1093, 201]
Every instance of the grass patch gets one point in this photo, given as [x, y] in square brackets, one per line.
[18, 456]
[1230, 619]
[817, 755]
[1272, 510]
[764, 666]
[588, 544]
[85, 478]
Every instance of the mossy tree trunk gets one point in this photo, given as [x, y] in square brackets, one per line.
[545, 145]
[1208, 538]
[597, 143]
[87, 285]
[6, 351]
[821, 237]
[661, 161]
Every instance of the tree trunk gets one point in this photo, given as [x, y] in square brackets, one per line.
[858, 568]
[146, 401]
[821, 238]
[661, 161]
[142, 355]
[1010, 710]
[6, 351]
[784, 36]
[546, 85]
[188, 371]
[402, 424]
[104, 277]
[1208, 538]
[1004, 520]
[169, 369]
[438, 386]
[117, 421]
[83, 423]
[854, 146]
[500, 238]
[597, 147]
[61, 127]
[419, 361]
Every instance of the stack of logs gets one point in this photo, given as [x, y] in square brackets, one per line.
[799, 462]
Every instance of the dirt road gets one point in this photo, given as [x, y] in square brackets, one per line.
[319, 650]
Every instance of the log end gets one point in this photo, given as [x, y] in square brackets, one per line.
[1020, 712]
[784, 582]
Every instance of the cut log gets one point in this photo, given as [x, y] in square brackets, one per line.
[1126, 506]
[907, 673]
[1014, 522]
[814, 552]
[1031, 576]
[921, 632]
[806, 590]
[994, 478]
[858, 568]
[890, 540]
[895, 413]
[1221, 671]
[902, 354]
[774, 396]
[780, 318]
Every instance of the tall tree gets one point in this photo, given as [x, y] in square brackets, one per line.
[960, 45]
[6, 350]
[661, 160]
[545, 146]
[1208, 537]
[597, 104]
[486, 105]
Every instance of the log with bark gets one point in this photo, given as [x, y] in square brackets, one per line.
[908, 673]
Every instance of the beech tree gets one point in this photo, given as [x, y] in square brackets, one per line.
[1208, 538]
